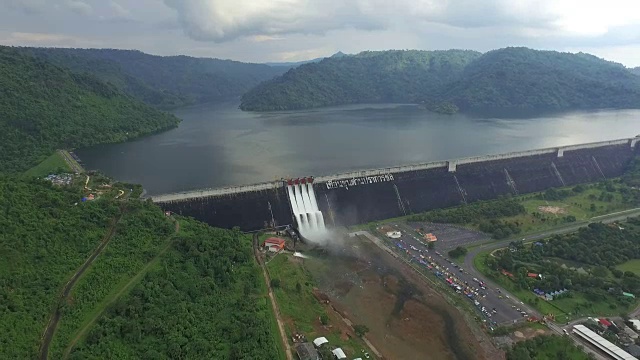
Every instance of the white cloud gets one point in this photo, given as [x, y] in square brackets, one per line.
[119, 12]
[79, 6]
[223, 20]
[45, 39]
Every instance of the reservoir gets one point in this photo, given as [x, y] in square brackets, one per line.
[219, 145]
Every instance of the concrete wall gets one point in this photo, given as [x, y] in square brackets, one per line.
[248, 210]
[422, 190]
[363, 196]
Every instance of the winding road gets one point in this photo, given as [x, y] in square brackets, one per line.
[274, 304]
[50, 330]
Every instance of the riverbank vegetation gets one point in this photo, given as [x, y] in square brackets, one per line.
[547, 347]
[505, 80]
[44, 107]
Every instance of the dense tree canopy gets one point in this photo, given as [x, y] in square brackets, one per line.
[44, 107]
[163, 81]
[521, 78]
[203, 301]
[369, 77]
[201, 297]
[445, 81]
[546, 347]
[44, 239]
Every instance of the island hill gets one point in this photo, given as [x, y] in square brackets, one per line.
[454, 80]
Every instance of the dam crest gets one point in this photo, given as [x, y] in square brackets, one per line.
[368, 195]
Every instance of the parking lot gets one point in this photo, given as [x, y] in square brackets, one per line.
[449, 236]
[496, 307]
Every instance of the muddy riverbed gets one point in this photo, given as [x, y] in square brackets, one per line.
[407, 318]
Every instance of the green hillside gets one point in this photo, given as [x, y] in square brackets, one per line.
[522, 78]
[44, 107]
[445, 81]
[163, 81]
[162, 288]
[369, 77]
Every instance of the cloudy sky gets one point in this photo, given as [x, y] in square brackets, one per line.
[292, 30]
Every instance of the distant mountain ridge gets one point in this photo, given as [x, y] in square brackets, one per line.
[162, 81]
[298, 63]
[389, 76]
[453, 80]
[44, 107]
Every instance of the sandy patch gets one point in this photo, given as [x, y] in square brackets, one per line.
[552, 209]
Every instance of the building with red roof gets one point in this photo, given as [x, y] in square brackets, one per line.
[274, 244]
[605, 322]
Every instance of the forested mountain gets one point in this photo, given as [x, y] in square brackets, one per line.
[636, 70]
[161, 81]
[522, 78]
[445, 81]
[44, 107]
[368, 77]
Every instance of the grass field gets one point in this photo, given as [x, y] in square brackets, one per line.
[300, 309]
[53, 164]
[577, 205]
[631, 265]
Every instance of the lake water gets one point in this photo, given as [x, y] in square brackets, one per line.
[219, 145]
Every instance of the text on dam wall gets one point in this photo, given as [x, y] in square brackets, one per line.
[333, 184]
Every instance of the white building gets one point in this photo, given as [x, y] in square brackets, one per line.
[319, 341]
[394, 234]
[339, 354]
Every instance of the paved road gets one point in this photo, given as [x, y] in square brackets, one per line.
[451, 273]
[468, 260]
[73, 164]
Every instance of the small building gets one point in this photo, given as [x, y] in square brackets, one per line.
[532, 275]
[306, 351]
[604, 322]
[636, 323]
[320, 341]
[274, 244]
[629, 295]
[394, 234]
[339, 354]
[430, 237]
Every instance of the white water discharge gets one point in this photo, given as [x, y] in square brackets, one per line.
[305, 209]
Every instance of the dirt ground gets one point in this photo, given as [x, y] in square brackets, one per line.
[406, 318]
[552, 210]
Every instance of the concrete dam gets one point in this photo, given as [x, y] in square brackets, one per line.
[369, 195]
